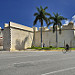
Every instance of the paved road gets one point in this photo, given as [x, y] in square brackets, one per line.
[37, 63]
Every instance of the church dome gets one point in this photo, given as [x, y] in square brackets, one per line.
[70, 22]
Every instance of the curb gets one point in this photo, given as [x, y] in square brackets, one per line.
[30, 50]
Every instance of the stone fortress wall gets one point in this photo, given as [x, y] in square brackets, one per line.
[19, 37]
[67, 36]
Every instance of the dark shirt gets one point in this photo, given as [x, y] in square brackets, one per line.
[67, 47]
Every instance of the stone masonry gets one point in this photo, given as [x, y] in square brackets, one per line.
[67, 36]
[19, 37]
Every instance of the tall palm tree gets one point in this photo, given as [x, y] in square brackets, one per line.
[57, 22]
[41, 15]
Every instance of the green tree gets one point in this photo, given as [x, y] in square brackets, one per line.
[41, 15]
[56, 20]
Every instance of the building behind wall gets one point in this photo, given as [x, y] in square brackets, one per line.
[19, 37]
[1, 38]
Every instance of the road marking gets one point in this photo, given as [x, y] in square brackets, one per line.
[48, 60]
[59, 71]
[37, 61]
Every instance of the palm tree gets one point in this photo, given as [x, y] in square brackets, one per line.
[57, 22]
[41, 15]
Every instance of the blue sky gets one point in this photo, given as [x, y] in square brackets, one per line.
[21, 11]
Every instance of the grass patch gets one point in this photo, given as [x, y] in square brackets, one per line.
[72, 48]
[46, 48]
[49, 48]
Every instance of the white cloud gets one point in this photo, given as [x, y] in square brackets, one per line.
[74, 23]
[73, 19]
[67, 21]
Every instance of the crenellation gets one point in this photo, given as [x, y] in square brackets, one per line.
[35, 28]
[51, 27]
[6, 25]
[46, 28]
[43, 28]
[69, 26]
[0, 28]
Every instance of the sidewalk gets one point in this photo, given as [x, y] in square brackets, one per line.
[30, 50]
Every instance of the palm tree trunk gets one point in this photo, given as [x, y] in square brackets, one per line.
[64, 43]
[41, 38]
[56, 37]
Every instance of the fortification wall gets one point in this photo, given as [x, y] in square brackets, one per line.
[6, 37]
[21, 37]
[49, 38]
[66, 37]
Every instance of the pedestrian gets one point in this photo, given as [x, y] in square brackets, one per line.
[43, 45]
[67, 47]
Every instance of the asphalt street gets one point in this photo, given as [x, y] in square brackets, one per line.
[37, 63]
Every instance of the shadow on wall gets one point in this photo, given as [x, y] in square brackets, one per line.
[32, 38]
[21, 45]
[1, 42]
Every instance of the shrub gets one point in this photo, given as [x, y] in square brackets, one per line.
[46, 48]
[32, 46]
[37, 47]
[50, 46]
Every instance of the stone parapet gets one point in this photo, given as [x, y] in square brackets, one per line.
[19, 26]
[0, 28]
[51, 28]
[6, 25]
[35, 28]
[43, 28]
[69, 26]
